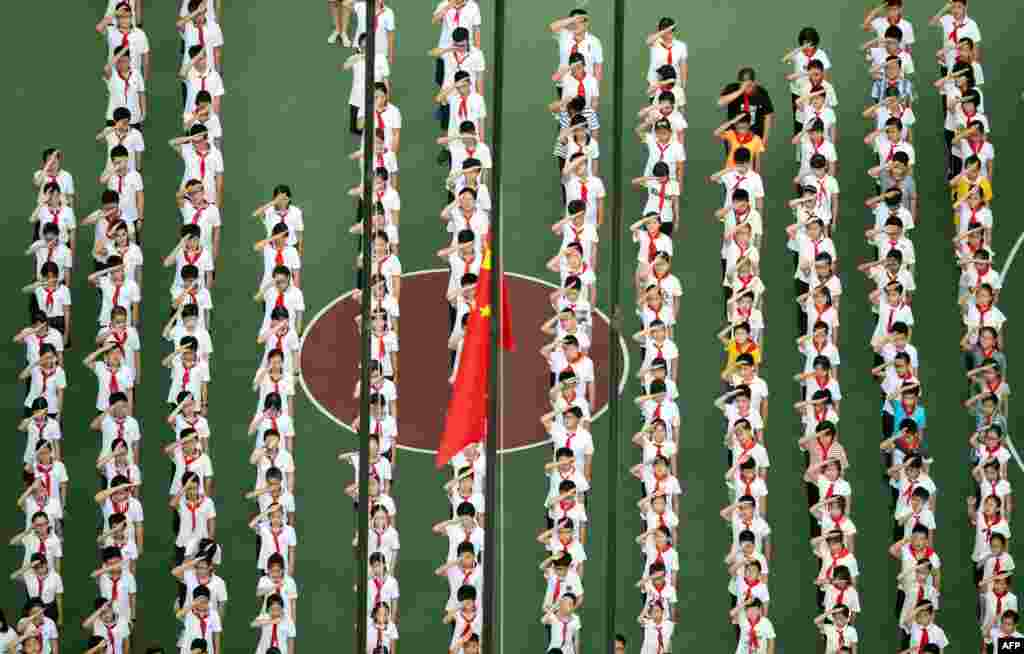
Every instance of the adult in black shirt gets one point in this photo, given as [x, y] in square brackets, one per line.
[747, 96]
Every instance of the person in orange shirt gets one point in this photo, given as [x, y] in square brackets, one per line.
[737, 134]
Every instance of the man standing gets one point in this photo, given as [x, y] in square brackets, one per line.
[749, 97]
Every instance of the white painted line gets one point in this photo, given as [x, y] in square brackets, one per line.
[433, 271]
[1002, 277]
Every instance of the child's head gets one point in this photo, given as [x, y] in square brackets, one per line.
[819, 165]
[741, 157]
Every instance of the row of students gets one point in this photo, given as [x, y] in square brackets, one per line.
[460, 66]
[818, 289]
[460, 75]
[661, 129]
[969, 173]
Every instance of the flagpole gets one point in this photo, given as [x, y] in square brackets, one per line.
[493, 465]
[614, 327]
[363, 514]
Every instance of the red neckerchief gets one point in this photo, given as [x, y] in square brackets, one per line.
[892, 316]
[660, 552]
[835, 560]
[751, 584]
[45, 378]
[124, 81]
[652, 239]
[840, 593]
[193, 506]
[954, 35]
[191, 258]
[581, 89]
[753, 643]
[49, 296]
[989, 524]
[202, 158]
[114, 386]
[983, 310]
[202, 622]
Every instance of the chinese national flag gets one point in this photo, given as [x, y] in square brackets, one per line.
[466, 421]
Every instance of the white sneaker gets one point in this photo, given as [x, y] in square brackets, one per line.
[333, 38]
[345, 41]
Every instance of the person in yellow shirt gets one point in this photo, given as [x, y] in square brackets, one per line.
[969, 178]
[736, 133]
[739, 343]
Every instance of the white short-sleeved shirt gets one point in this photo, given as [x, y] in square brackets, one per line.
[125, 294]
[763, 631]
[882, 23]
[472, 108]
[196, 628]
[292, 217]
[63, 217]
[45, 588]
[382, 70]
[660, 56]
[134, 38]
[133, 142]
[210, 80]
[198, 374]
[467, 16]
[292, 299]
[590, 86]
[749, 181]
[193, 525]
[206, 218]
[126, 587]
[670, 153]
[564, 634]
[205, 168]
[965, 29]
[209, 36]
[108, 381]
[590, 47]
[272, 542]
[471, 62]
[125, 92]
[388, 119]
[53, 302]
[595, 190]
[384, 20]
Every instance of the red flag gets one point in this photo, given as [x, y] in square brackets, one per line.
[466, 421]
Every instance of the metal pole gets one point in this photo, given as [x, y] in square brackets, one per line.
[363, 517]
[614, 327]
[491, 539]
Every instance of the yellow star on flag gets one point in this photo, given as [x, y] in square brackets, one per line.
[485, 312]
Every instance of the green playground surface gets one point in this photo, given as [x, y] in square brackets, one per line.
[286, 121]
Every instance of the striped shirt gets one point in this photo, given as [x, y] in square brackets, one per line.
[905, 87]
[593, 124]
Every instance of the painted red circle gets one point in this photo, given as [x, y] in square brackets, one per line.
[330, 353]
